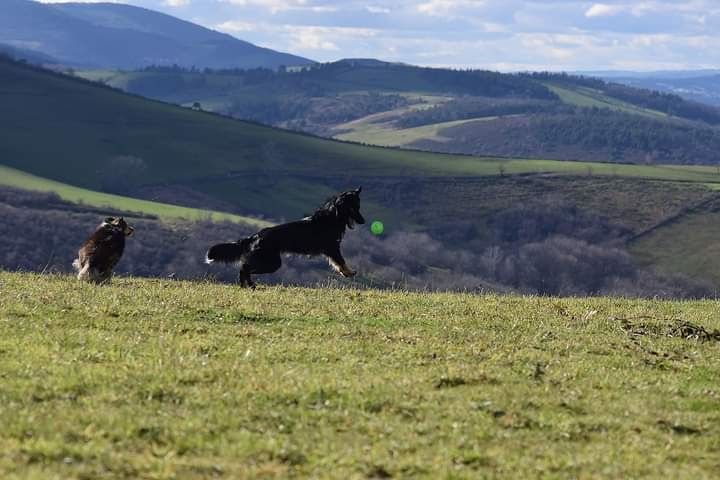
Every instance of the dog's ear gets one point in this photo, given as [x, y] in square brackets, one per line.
[358, 190]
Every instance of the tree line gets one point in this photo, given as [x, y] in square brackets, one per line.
[573, 133]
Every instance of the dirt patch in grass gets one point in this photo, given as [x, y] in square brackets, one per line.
[684, 329]
[675, 328]
[678, 428]
[454, 381]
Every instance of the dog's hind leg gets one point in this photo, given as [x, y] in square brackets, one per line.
[104, 277]
[337, 262]
[245, 279]
[83, 272]
[258, 263]
[93, 275]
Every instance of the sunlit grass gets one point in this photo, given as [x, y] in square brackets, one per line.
[15, 178]
[163, 379]
[385, 135]
[588, 97]
[690, 245]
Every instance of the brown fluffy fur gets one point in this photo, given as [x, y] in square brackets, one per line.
[99, 254]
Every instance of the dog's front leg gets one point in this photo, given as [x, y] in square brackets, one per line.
[246, 279]
[337, 262]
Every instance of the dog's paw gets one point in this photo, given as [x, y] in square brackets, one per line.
[347, 273]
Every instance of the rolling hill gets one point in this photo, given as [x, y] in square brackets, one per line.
[590, 120]
[205, 145]
[86, 135]
[122, 36]
[538, 115]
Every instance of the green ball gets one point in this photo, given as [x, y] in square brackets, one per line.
[377, 228]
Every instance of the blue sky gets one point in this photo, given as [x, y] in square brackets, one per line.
[497, 34]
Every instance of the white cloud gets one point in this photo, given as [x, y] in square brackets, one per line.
[446, 8]
[302, 39]
[376, 9]
[692, 8]
[176, 3]
[313, 38]
[604, 10]
[273, 5]
[235, 26]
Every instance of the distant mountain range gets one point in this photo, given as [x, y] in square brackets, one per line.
[111, 35]
[698, 85]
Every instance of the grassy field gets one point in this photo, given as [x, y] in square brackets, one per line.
[15, 178]
[689, 245]
[161, 379]
[588, 97]
[385, 135]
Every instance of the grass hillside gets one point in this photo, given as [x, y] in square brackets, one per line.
[617, 124]
[537, 115]
[84, 126]
[652, 101]
[164, 379]
[687, 244]
[194, 145]
[11, 177]
[367, 130]
[588, 97]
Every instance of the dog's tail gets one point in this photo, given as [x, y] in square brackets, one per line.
[228, 252]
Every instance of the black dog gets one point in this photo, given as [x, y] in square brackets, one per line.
[318, 234]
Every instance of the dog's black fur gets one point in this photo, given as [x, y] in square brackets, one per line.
[318, 234]
[99, 254]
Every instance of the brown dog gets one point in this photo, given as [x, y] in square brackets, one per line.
[102, 250]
